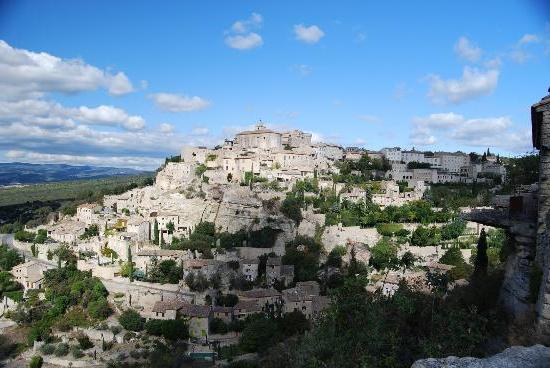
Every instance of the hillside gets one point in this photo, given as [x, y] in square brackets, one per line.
[14, 173]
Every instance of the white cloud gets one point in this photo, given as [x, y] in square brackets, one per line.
[134, 162]
[244, 42]
[242, 26]
[27, 74]
[467, 50]
[519, 56]
[178, 103]
[302, 69]
[494, 63]
[240, 35]
[473, 83]
[311, 34]
[360, 37]
[51, 114]
[475, 132]
[166, 128]
[369, 118]
[107, 115]
[439, 120]
[200, 131]
[528, 38]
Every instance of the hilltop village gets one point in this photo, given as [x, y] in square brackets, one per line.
[264, 224]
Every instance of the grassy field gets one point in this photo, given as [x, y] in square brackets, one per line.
[65, 190]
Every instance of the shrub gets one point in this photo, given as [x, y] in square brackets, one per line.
[388, 229]
[218, 326]
[291, 208]
[84, 342]
[47, 349]
[116, 329]
[169, 329]
[99, 309]
[76, 352]
[131, 320]
[36, 362]
[61, 349]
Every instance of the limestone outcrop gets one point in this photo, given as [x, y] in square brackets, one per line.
[536, 356]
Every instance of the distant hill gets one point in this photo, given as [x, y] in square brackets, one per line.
[14, 173]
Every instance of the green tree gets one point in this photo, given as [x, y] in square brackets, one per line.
[36, 362]
[131, 320]
[482, 261]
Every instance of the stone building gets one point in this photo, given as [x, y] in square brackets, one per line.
[85, 212]
[261, 137]
[29, 274]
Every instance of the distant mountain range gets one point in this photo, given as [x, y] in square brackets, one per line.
[14, 173]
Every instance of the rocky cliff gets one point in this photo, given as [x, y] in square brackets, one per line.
[536, 356]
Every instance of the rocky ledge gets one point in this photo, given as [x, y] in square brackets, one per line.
[536, 356]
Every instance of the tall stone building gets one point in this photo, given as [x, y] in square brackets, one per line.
[540, 120]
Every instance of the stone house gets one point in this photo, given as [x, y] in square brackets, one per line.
[249, 268]
[85, 213]
[140, 227]
[304, 297]
[30, 274]
[354, 195]
[67, 231]
[197, 316]
[223, 313]
[145, 257]
[245, 308]
[275, 270]
[262, 296]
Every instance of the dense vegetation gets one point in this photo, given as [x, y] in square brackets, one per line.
[72, 298]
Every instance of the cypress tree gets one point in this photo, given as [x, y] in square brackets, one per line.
[156, 232]
[482, 261]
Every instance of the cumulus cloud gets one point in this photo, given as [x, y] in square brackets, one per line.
[311, 34]
[473, 83]
[166, 128]
[244, 42]
[473, 132]
[179, 103]
[241, 36]
[200, 131]
[27, 74]
[466, 50]
[52, 114]
[242, 26]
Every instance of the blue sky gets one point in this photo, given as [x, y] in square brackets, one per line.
[126, 83]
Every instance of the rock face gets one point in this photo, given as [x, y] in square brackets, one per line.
[536, 356]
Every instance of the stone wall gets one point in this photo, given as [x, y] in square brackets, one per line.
[541, 123]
